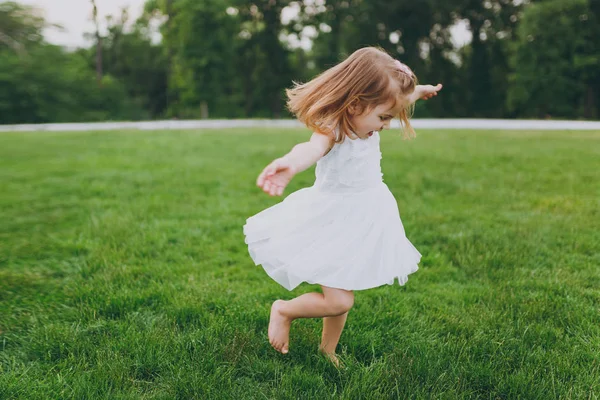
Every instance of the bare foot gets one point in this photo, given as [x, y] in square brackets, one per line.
[279, 328]
[332, 357]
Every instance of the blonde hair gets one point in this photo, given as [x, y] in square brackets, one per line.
[368, 78]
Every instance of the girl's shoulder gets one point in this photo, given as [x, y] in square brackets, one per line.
[324, 142]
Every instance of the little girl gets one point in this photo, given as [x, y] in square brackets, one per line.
[343, 233]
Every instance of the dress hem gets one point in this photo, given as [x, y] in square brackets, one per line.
[400, 279]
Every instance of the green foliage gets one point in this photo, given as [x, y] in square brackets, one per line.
[232, 58]
[124, 273]
[139, 65]
[267, 58]
[51, 85]
[474, 80]
[226, 55]
[45, 83]
[555, 67]
[20, 26]
[202, 37]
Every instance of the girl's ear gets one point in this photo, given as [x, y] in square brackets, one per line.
[354, 108]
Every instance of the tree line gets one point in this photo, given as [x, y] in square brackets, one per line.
[234, 58]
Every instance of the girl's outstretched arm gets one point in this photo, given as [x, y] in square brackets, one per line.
[275, 177]
[425, 92]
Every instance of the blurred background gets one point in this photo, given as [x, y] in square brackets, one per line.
[97, 60]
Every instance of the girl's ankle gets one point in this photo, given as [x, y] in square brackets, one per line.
[331, 356]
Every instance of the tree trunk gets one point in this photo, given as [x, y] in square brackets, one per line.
[98, 45]
[589, 106]
[204, 110]
[172, 92]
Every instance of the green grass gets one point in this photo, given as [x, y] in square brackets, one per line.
[124, 273]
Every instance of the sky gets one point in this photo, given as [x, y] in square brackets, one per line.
[75, 16]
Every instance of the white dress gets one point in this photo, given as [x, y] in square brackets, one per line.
[343, 232]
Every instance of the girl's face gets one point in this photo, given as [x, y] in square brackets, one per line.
[376, 119]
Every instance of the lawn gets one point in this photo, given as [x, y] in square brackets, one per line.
[124, 273]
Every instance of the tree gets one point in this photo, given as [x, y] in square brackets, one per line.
[415, 32]
[492, 24]
[267, 70]
[98, 43]
[45, 83]
[200, 39]
[130, 57]
[556, 70]
[20, 27]
[51, 85]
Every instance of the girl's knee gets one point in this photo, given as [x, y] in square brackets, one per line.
[347, 302]
[341, 302]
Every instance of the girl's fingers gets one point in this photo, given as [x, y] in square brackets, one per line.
[273, 168]
[269, 170]
[261, 178]
[432, 91]
[269, 180]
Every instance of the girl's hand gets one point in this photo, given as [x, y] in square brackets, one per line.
[426, 92]
[275, 177]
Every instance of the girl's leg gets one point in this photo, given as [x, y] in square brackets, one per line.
[332, 302]
[332, 330]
